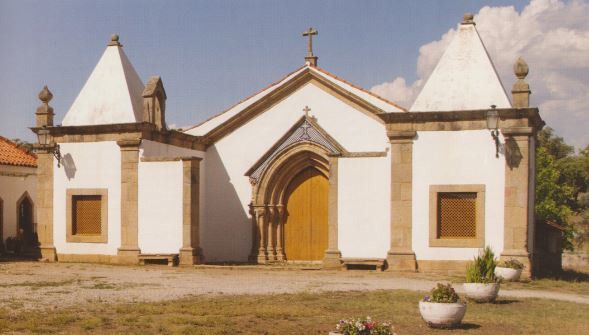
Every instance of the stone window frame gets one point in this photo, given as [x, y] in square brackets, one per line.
[103, 237]
[479, 240]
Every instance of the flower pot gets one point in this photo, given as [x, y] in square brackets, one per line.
[481, 292]
[508, 274]
[441, 315]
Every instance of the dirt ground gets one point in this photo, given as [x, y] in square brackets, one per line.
[32, 285]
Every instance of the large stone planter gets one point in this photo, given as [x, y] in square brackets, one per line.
[508, 274]
[481, 292]
[440, 315]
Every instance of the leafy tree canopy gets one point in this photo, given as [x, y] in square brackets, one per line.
[562, 182]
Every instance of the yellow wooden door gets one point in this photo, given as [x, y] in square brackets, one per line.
[305, 229]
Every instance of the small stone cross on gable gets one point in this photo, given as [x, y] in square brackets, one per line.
[306, 110]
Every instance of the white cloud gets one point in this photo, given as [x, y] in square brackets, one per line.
[552, 36]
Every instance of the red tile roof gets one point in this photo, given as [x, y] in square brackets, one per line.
[12, 154]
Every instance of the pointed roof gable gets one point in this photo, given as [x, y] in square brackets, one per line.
[464, 79]
[298, 77]
[305, 130]
[112, 94]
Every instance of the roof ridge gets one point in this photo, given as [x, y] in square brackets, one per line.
[360, 88]
[246, 99]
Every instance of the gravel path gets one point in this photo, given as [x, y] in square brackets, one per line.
[29, 285]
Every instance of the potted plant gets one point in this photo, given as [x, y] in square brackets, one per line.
[509, 270]
[442, 308]
[481, 283]
[362, 326]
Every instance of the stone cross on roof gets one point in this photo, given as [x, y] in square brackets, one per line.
[306, 110]
[310, 58]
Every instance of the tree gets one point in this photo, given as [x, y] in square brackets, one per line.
[562, 182]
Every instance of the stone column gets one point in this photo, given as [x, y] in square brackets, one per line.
[517, 183]
[270, 251]
[280, 210]
[332, 258]
[190, 252]
[400, 256]
[128, 253]
[260, 213]
[44, 204]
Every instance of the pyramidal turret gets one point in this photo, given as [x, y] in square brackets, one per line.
[464, 78]
[112, 94]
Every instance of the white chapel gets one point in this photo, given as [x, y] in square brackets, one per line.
[311, 169]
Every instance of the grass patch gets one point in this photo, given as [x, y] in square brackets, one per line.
[40, 284]
[303, 313]
[565, 282]
[102, 286]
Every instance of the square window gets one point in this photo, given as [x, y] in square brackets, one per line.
[457, 216]
[87, 215]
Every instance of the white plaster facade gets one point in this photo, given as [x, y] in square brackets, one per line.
[226, 232]
[89, 165]
[456, 158]
[15, 182]
[235, 141]
[160, 197]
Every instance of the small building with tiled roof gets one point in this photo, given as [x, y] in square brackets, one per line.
[18, 182]
[310, 169]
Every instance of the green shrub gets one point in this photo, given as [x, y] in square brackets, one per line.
[482, 268]
[443, 294]
[512, 264]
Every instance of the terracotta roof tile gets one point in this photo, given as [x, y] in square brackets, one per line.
[12, 154]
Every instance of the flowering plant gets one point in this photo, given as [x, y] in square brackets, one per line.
[364, 326]
[442, 294]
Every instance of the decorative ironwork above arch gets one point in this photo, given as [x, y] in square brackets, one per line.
[305, 130]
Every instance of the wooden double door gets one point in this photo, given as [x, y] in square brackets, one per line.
[305, 228]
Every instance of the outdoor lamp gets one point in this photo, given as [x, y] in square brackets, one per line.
[493, 126]
[43, 139]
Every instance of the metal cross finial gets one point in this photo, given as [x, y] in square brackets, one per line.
[306, 110]
[310, 33]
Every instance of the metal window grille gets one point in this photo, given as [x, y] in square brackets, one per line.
[87, 215]
[457, 215]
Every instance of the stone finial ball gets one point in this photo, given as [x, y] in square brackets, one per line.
[45, 95]
[468, 17]
[520, 68]
[114, 37]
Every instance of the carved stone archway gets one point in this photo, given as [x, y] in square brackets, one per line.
[269, 196]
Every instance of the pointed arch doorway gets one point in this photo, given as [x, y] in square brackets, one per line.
[25, 226]
[294, 207]
[305, 225]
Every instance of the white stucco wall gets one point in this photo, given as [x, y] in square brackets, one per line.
[160, 198]
[460, 157]
[160, 207]
[88, 165]
[227, 230]
[364, 200]
[12, 188]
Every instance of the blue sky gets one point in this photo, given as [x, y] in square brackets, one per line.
[210, 54]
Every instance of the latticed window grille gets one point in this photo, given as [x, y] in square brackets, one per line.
[87, 215]
[457, 215]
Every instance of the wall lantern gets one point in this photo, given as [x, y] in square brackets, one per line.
[493, 126]
[43, 138]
